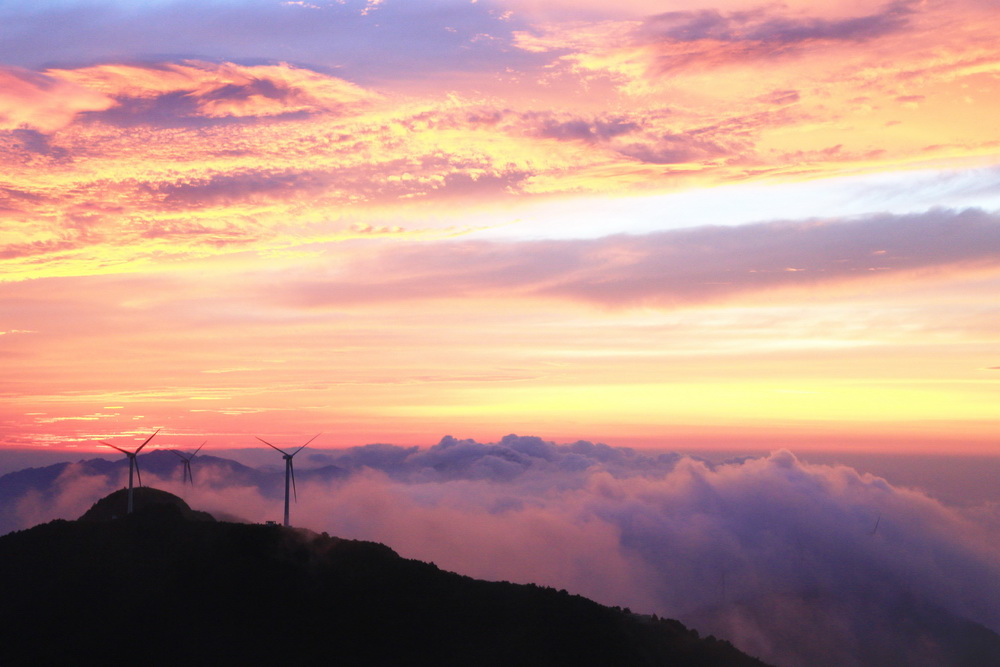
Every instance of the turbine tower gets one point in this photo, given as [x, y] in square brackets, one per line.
[289, 470]
[186, 462]
[133, 464]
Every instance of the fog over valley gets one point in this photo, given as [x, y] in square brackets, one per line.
[797, 563]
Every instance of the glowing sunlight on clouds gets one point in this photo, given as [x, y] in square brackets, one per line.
[378, 216]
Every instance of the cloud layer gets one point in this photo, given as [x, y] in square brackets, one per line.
[677, 267]
[800, 564]
[158, 141]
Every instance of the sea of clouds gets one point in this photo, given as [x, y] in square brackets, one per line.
[799, 564]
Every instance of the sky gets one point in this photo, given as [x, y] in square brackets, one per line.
[711, 224]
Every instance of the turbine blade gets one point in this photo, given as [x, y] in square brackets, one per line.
[174, 451]
[307, 442]
[137, 473]
[291, 467]
[198, 450]
[113, 447]
[147, 441]
[271, 446]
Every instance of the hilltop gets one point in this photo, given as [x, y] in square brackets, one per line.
[156, 587]
[115, 505]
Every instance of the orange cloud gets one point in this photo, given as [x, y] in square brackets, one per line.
[34, 101]
[218, 90]
[797, 90]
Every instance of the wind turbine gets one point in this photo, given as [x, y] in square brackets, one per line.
[289, 470]
[186, 462]
[133, 464]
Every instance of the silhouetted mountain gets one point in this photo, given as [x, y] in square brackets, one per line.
[115, 505]
[153, 588]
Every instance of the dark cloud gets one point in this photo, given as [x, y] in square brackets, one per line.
[578, 129]
[14, 198]
[709, 38]
[202, 94]
[706, 263]
[169, 110]
[475, 184]
[633, 135]
[544, 124]
[177, 109]
[760, 26]
[620, 133]
[674, 267]
[674, 149]
[487, 117]
[433, 178]
[34, 144]
[239, 186]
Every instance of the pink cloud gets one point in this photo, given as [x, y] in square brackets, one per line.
[30, 100]
[668, 268]
[706, 38]
[215, 90]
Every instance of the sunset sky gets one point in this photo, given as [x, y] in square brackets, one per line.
[711, 223]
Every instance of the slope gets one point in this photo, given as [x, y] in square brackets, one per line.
[156, 589]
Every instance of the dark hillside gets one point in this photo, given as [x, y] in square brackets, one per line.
[115, 505]
[156, 589]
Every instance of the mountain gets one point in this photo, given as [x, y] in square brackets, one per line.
[115, 505]
[156, 588]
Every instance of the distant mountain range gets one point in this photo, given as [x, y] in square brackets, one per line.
[158, 463]
[167, 585]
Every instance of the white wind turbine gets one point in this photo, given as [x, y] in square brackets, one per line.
[289, 470]
[186, 462]
[132, 465]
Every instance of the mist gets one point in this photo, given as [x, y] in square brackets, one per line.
[797, 563]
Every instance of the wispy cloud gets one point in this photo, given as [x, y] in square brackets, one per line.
[671, 268]
[772, 30]
[170, 93]
[31, 100]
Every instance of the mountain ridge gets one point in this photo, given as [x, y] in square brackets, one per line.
[158, 588]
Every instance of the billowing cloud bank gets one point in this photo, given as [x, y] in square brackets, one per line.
[800, 564]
